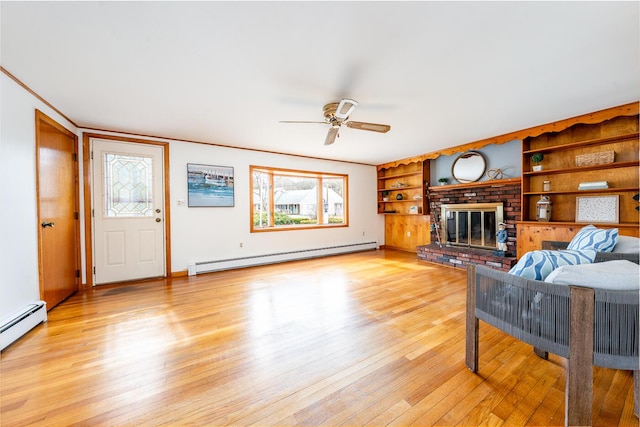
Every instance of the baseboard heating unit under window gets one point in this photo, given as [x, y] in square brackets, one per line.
[250, 261]
[22, 322]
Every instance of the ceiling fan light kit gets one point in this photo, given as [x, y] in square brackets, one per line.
[344, 109]
[337, 113]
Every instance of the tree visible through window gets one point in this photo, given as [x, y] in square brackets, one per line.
[288, 199]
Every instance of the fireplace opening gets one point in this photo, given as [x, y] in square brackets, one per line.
[471, 224]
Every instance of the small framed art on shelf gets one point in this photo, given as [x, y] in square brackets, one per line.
[597, 209]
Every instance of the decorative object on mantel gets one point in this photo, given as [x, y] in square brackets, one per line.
[546, 185]
[495, 173]
[398, 185]
[536, 159]
[543, 209]
[443, 181]
[385, 196]
[591, 159]
[469, 167]
[399, 196]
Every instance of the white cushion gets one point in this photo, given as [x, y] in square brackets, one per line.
[537, 265]
[590, 237]
[627, 245]
[618, 274]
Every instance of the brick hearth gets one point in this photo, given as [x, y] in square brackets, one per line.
[461, 257]
[506, 191]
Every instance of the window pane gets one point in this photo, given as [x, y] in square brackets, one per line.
[333, 200]
[295, 200]
[128, 185]
[261, 207]
[476, 228]
[463, 227]
[490, 229]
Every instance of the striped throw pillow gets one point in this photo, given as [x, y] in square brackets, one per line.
[537, 265]
[598, 239]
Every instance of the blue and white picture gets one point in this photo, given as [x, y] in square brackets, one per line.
[210, 185]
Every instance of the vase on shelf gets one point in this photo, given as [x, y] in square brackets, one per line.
[536, 159]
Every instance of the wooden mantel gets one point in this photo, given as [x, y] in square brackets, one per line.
[492, 183]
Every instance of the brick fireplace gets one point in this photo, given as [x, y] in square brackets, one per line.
[505, 191]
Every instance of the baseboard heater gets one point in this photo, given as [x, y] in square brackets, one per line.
[22, 322]
[251, 261]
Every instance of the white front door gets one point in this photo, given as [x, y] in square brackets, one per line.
[128, 211]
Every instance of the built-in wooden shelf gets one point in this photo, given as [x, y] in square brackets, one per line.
[413, 175]
[398, 175]
[583, 192]
[577, 224]
[407, 187]
[582, 144]
[606, 166]
[561, 149]
[402, 214]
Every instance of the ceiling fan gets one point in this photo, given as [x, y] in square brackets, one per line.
[337, 114]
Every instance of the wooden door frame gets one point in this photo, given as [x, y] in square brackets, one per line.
[88, 198]
[40, 118]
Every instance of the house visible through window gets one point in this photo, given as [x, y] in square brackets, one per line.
[288, 199]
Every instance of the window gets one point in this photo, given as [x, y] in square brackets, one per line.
[128, 185]
[284, 199]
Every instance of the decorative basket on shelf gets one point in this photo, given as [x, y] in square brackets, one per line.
[595, 158]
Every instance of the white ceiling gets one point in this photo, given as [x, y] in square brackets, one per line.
[440, 73]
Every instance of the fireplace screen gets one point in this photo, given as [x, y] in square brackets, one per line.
[471, 224]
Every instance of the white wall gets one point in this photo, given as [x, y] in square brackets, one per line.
[206, 234]
[212, 234]
[197, 234]
[507, 157]
[19, 283]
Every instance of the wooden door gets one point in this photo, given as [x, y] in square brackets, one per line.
[57, 190]
[128, 211]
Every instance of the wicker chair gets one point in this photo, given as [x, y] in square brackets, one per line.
[588, 326]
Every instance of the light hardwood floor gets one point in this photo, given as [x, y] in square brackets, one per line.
[373, 338]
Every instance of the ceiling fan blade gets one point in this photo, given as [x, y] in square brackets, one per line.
[345, 107]
[375, 127]
[301, 121]
[331, 135]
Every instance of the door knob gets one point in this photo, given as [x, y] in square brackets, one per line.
[47, 224]
[158, 220]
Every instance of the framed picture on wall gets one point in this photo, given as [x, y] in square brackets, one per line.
[597, 209]
[210, 186]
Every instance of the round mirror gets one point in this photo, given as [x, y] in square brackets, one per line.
[468, 167]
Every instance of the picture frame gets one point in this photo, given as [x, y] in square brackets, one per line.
[210, 185]
[598, 209]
